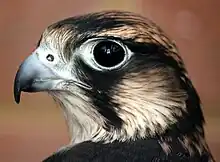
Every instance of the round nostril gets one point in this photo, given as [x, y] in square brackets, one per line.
[50, 57]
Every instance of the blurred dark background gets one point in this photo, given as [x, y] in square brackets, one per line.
[35, 128]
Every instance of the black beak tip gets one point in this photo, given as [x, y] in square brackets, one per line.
[17, 99]
[17, 93]
[17, 90]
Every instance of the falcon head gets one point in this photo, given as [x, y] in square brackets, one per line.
[116, 76]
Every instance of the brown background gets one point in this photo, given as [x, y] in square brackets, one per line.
[35, 128]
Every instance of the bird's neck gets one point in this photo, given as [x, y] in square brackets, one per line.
[85, 124]
[81, 122]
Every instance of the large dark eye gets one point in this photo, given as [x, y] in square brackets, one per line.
[108, 53]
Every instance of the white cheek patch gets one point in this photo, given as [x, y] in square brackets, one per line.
[43, 51]
[61, 69]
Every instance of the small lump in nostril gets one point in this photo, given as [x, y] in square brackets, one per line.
[50, 57]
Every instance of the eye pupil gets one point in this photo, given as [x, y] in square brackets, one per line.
[108, 53]
[50, 57]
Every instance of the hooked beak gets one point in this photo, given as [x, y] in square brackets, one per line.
[33, 76]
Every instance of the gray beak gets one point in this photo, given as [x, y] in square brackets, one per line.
[33, 76]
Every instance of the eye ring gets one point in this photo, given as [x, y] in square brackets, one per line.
[109, 54]
[50, 57]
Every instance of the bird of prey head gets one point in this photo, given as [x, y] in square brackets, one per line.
[116, 76]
